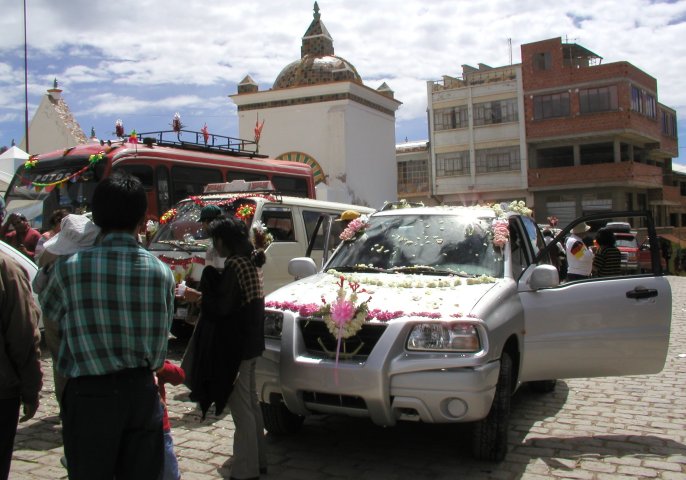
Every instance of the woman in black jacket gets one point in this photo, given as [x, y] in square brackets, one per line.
[230, 338]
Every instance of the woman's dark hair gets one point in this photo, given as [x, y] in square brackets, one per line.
[234, 234]
[605, 238]
[57, 216]
[119, 202]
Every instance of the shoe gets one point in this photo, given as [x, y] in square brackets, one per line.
[63, 461]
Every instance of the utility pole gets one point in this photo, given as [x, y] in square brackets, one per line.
[26, 86]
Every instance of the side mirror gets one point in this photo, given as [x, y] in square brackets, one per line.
[301, 267]
[544, 276]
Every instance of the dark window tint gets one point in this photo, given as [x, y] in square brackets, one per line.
[143, 172]
[247, 176]
[279, 222]
[294, 186]
[191, 181]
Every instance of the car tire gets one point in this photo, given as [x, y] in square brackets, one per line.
[489, 440]
[278, 420]
[543, 386]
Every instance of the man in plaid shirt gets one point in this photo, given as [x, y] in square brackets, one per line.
[114, 304]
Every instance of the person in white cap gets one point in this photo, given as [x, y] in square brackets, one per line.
[579, 256]
[76, 233]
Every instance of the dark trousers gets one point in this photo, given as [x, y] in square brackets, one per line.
[112, 426]
[9, 418]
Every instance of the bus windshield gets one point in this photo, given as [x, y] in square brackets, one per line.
[38, 191]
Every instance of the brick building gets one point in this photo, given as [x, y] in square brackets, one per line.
[588, 136]
[597, 136]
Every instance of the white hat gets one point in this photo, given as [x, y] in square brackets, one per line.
[77, 232]
[580, 228]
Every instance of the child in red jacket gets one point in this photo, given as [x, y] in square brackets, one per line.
[169, 373]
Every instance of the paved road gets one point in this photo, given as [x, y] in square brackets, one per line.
[606, 428]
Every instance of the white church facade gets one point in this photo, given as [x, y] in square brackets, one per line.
[320, 112]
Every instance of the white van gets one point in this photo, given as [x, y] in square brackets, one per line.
[181, 242]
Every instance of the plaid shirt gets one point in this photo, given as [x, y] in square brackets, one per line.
[114, 305]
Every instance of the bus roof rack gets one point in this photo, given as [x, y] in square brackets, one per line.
[208, 142]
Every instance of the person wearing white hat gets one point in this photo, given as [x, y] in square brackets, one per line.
[76, 233]
[579, 256]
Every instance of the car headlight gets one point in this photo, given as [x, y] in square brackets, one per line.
[273, 323]
[444, 337]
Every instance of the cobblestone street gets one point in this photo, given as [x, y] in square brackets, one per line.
[604, 428]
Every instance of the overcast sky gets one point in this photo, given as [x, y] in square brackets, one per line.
[142, 61]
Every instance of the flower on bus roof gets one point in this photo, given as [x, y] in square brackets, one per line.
[31, 162]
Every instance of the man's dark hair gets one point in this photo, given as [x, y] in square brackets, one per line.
[119, 202]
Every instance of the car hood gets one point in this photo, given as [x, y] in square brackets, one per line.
[390, 296]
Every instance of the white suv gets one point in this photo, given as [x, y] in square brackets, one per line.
[439, 314]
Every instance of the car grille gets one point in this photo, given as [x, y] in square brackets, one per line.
[320, 343]
[347, 401]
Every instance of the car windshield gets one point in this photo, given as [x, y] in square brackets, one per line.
[438, 244]
[184, 231]
[626, 241]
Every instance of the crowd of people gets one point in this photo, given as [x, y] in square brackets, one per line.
[107, 306]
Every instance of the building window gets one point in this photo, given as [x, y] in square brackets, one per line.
[551, 106]
[602, 99]
[637, 99]
[542, 61]
[449, 118]
[497, 159]
[413, 176]
[499, 111]
[668, 124]
[651, 106]
[452, 164]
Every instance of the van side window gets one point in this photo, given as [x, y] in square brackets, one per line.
[310, 218]
[279, 222]
[188, 181]
[163, 203]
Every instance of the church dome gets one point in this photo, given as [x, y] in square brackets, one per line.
[313, 69]
[318, 63]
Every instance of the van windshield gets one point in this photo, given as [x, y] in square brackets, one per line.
[184, 231]
[428, 244]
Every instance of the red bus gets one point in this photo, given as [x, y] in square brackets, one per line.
[172, 166]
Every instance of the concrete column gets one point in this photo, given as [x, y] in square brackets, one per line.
[577, 155]
[617, 148]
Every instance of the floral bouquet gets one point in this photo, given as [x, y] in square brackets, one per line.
[245, 211]
[167, 216]
[344, 317]
[354, 228]
[260, 236]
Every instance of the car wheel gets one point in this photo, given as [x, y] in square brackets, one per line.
[543, 386]
[489, 440]
[278, 420]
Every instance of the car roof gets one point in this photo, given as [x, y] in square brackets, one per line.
[285, 200]
[28, 265]
[471, 211]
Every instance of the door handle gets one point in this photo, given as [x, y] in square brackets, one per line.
[642, 293]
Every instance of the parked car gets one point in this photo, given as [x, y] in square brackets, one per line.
[181, 242]
[440, 314]
[628, 247]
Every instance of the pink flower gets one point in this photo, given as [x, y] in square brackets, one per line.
[501, 233]
[342, 312]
